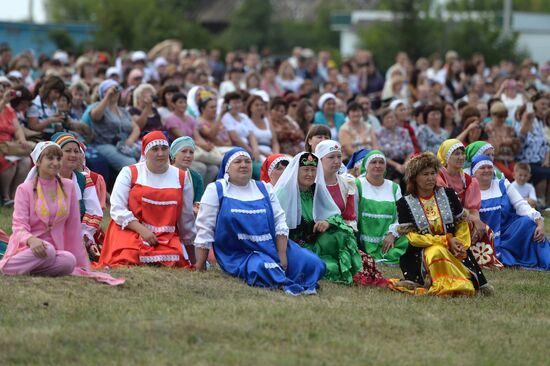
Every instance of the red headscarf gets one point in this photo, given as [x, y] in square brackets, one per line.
[269, 164]
[152, 139]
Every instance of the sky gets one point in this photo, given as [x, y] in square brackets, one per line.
[15, 10]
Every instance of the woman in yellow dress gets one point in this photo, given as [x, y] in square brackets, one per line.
[438, 260]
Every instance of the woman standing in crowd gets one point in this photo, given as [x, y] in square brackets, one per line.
[431, 135]
[287, 79]
[403, 120]
[42, 115]
[91, 213]
[46, 238]
[315, 223]
[305, 115]
[518, 228]
[395, 143]
[289, 134]
[14, 169]
[438, 260]
[375, 203]
[242, 220]
[262, 129]
[504, 140]
[355, 133]
[273, 167]
[510, 97]
[112, 126]
[151, 211]
[328, 116]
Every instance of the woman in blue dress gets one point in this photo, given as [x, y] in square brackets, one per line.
[242, 220]
[518, 228]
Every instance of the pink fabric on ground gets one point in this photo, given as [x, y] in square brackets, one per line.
[56, 263]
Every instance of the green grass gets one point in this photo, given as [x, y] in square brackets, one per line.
[176, 317]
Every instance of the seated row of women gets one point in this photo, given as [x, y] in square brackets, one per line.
[305, 222]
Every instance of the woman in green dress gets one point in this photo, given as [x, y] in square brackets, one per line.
[375, 202]
[315, 223]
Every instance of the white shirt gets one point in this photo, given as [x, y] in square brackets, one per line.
[525, 190]
[169, 179]
[242, 127]
[208, 212]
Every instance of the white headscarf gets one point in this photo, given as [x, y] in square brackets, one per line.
[35, 156]
[324, 98]
[288, 193]
[325, 147]
[192, 102]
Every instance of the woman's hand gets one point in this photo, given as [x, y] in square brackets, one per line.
[283, 260]
[149, 236]
[457, 248]
[479, 228]
[37, 247]
[321, 226]
[389, 241]
[539, 231]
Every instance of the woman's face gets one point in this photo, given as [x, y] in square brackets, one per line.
[236, 106]
[78, 97]
[63, 104]
[306, 176]
[355, 116]
[184, 158]
[401, 112]
[54, 95]
[145, 96]
[277, 172]
[168, 97]
[309, 113]
[376, 168]
[49, 165]
[329, 107]
[434, 119]
[158, 158]
[209, 111]
[332, 162]
[240, 170]
[389, 121]
[425, 180]
[456, 160]
[257, 108]
[71, 156]
[484, 175]
[314, 140]
[474, 134]
[278, 113]
[181, 105]
[449, 111]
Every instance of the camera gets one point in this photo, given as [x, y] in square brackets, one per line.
[15, 94]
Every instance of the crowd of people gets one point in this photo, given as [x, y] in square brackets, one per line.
[282, 170]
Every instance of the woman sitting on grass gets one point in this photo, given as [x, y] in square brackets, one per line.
[151, 211]
[242, 220]
[438, 260]
[518, 228]
[315, 223]
[47, 235]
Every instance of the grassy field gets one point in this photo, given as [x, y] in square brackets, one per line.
[175, 317]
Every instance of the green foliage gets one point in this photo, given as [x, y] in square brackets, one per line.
[62, 39]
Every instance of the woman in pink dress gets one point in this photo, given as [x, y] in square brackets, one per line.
[47, 235]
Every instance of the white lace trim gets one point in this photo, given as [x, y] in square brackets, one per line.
[255, 238]
[496, 234]
[271, 265]
[250, 212]
[160, 229]
[203, 245]
[283, 232]
[489, 209]
[377, 216]
[159, 203]
[159, 258]
[371, 239]
[127, 221]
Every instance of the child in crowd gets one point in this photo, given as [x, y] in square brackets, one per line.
[522, 174]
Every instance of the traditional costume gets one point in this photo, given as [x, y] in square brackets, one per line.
[467, 189]
[355, 162]
[194, 177]
[479, 148]
[377, 215]
[337, 246]
[241, 224]
[162, 202]
[429, 223]
[269, 164]
[48, 210]
[513, 223]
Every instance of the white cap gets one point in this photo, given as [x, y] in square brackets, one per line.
[61, 56]
[15, 74]
[160, 61]
[395, 103]
[262, 94]
[138, 56]
[5, 80]
[112, 71]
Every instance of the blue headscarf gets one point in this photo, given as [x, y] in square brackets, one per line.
[228, 158]
[105, 85]
[356, 157]
[478, 162]
[180, 143]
